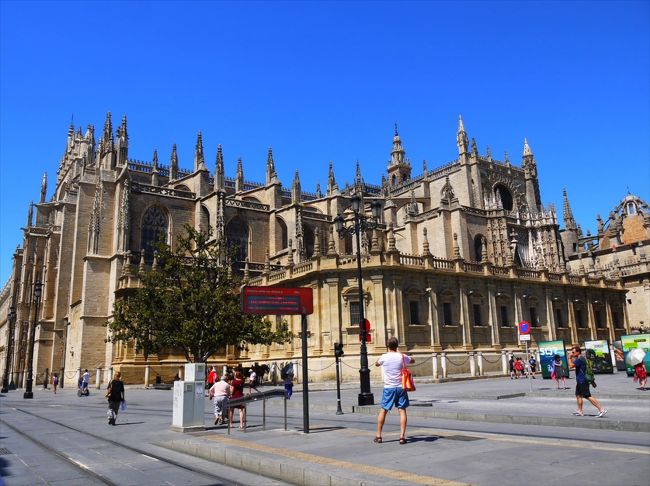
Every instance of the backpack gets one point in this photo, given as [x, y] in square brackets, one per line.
[589, 371]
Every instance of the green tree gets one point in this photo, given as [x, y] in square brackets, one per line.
[190, 302]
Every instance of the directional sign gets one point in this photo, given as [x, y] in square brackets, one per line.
[524, 337]
[524, 327]
[277, 300]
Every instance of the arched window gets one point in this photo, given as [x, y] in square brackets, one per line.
[204, 219]
[503, 194]
[155, 228]
[478, 248]
[630, 209]
[393, 180]
[237, 236]
[281, 234]
[309, 242]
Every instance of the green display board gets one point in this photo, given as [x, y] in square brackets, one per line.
[547, 352]
[598, 353]
[636, 341]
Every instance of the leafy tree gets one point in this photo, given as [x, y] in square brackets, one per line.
[191, 302]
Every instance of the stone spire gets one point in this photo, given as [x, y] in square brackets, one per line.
[30, 214]
[425, 243]
[569, 221]
[199, 158]
[290, 253]
[239, 178]
[357, 175]
[122, 144]
[456, 248]
[43, 187]
[107, 145]
[316, 242]
[219, 171]
[332, 186]
[173, 164]
[474, 148]
[489, 153]
[319, 193]
[296, 191]
[527, 150]
[506, 158]
[154, 169]
[461, 137]
[397, 154]
[331, 250]
[271, 175]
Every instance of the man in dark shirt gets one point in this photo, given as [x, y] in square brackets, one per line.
[579, 363]
[115, 395]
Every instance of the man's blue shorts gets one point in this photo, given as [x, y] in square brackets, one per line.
[394, 397]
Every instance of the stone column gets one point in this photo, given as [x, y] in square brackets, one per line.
[480, 364]
[492, 317]
[110, 374]
[147, 370]
[464, 317]
[472, 364]
[77, 376]
[504, 363]
[434, 365]
[591, 321]
[443, 363]
[296, 376]
[98, 378]
[572, 322]
[550, 317]
[434, 322]
[610, 323]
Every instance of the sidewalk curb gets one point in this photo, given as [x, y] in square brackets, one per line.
[586, 423]
[262, 464]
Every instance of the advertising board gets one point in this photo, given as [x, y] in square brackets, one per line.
[634, 341]
[547, 352]
[598, 353]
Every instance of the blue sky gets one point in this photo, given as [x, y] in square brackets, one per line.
[321, 81]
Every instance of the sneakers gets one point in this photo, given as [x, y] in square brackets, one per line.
[602, 413]
[578, 414]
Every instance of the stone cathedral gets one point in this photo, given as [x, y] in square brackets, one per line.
[462, 253]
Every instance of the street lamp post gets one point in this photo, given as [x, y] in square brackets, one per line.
[10, 342]
[30, 377]
[361, 223]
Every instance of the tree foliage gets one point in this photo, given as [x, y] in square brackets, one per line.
[189, 302]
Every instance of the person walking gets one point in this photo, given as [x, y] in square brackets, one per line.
[392, 363]
[274, 370]
[640, 375]
[212, 377]
[55, 382]
[287, 381]
[85, 379]
[115, 395]
[519, 368]
[219, 393]
[237, 391]
[512, 367]
[252, 381]
[532, 362]
[558, 372]
[579, 363]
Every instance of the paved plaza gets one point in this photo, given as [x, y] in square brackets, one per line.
[489, 431]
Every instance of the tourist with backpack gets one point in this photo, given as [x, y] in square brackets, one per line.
[584, 379]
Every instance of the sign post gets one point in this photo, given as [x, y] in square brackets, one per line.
[524, 335]
[284, 301]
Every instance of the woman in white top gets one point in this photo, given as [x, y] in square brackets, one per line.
[392, 363]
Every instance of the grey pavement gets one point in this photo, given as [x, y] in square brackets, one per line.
[542, 439]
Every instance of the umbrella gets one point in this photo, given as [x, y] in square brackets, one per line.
[635, 356]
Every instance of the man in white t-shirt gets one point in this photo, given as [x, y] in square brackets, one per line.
[392, 363]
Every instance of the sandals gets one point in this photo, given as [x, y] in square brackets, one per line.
[377, 440]
[402, 440]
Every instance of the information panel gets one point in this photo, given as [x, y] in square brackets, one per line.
[598, 353]
[547, 352]
[277, 300]
[634, 341]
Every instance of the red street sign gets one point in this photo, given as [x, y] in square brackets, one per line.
[277, 300]
[524, 327]
[366, 324]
